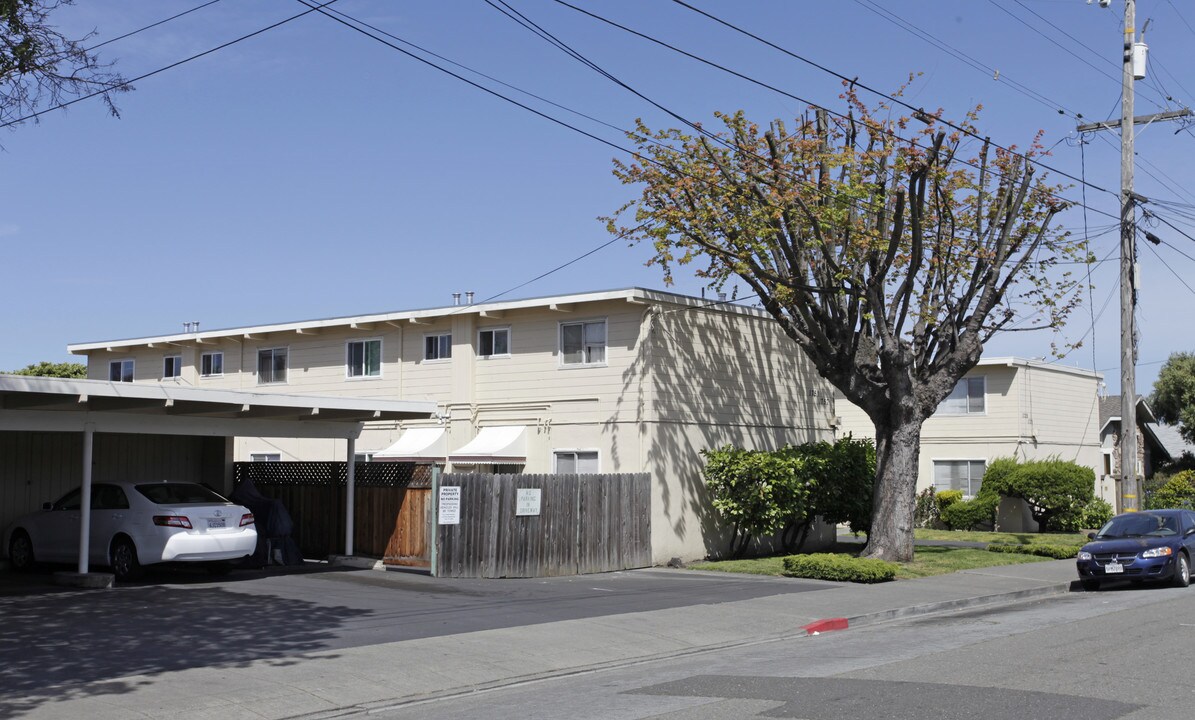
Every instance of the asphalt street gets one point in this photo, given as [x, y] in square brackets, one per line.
[1117, 654]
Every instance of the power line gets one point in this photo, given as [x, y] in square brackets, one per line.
[152, 25]
[855, 82]
[129, 83]
[917, 111]
[1168, 267]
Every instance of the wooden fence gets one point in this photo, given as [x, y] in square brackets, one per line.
[586, 524]
[314, 495]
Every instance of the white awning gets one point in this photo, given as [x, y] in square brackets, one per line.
[501, 444]
[417, 445]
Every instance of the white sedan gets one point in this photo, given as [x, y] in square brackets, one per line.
[135, 524]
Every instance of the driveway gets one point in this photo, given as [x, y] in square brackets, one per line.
[180, 619]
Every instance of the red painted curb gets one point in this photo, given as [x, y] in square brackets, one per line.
[825, 625]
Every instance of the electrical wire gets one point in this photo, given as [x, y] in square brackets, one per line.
[129, 83]
[152, 25]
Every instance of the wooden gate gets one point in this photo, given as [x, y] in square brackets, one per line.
[410, 543]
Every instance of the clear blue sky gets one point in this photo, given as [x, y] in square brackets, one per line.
[312, 172]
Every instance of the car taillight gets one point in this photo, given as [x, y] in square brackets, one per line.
[172, 521]
[246, 519]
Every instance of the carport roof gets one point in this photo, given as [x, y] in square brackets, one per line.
[37, 403]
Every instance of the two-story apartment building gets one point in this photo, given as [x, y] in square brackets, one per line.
[1004, 407]
[627, 380]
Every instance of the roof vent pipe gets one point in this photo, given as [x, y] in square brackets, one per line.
[456, 298]
[721, 297]
[469, 297]
[186, 327]
[195, 326]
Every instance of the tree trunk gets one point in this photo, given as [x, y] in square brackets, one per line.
[898, 446]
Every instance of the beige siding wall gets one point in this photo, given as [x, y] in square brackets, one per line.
[719, 379]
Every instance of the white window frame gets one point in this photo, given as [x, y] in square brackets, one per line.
[439, 344]
[284, 381]
[934, 470]
[557, 452]
[982, 397]
[178, 366]
[583, 363]
[132, 365]
[265, 457]
[211, 355]
[495, 329]
[348, 370]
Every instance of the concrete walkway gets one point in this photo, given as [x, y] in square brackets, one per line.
[351, 682]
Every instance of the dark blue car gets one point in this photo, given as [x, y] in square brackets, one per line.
[1139, 546]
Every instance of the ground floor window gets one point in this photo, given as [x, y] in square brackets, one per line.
[265, 457]
[965, 475]
[576, 462]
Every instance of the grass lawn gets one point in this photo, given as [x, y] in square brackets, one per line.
[926, 561]
[989, 537]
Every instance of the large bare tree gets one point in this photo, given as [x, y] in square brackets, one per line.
[888, 260]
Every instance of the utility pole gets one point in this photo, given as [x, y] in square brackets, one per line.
[1130, 491]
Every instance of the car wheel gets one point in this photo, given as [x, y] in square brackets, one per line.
[1182, 570]
[124, 560]
[1090, 585]
[20, 551]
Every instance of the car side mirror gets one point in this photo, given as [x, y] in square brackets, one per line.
[1091, 536]
[47, 506]
[1189, 531]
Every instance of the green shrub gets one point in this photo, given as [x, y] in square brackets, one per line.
[972, 514]
[946, 498]
[1178, 492]
[928, 512]
[762, 493]
[1058, 552]
[1097, 512]
[840, 568]
[995, 475]
[1055, 490]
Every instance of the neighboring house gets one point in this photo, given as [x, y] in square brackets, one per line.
[1172, 439]
[622, 381]
[1003, 407]
[1150, 449]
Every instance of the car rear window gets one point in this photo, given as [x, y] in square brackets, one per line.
[179, 494]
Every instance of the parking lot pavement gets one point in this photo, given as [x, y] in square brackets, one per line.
[177, 619]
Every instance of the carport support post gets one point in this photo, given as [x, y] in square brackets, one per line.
[350, 496]
[85, 499]
[435, 518]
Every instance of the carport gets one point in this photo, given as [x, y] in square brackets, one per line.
[85, 407]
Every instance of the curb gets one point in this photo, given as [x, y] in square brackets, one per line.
[811, 629]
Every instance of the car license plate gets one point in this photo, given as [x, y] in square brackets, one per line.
[1113, 568]
[219, 523]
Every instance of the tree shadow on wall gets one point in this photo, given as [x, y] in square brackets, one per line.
[66, 646]
[704, 378]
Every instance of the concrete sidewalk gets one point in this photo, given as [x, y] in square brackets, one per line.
[350, 682]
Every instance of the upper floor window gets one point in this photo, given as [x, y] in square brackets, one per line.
[965, 475]
[583, 343]
[120, 371]
[966, 398]
[493, 342]
[437, 347]
[364, 358]
[211, 364]
[172, 366]
[265, 457]
[271, 366]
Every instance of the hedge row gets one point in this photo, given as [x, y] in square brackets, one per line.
[1058, 552]
[840, 568]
